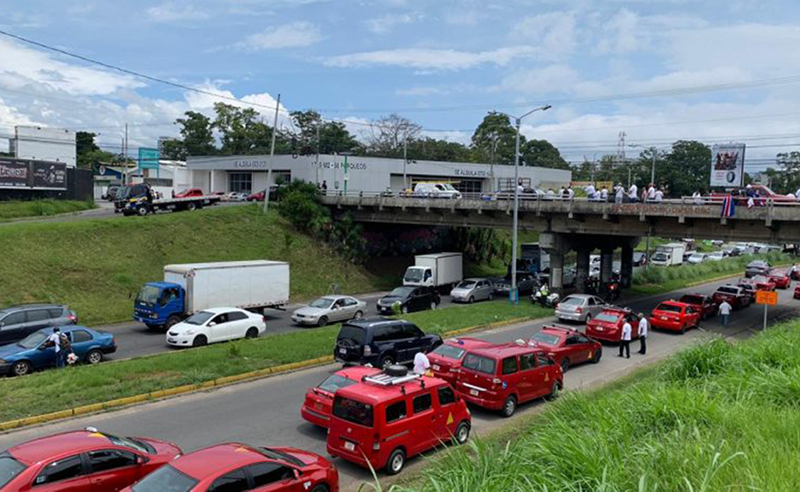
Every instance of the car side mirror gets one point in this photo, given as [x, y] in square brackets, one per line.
[296, 473]
[141, 460]
[213, 323]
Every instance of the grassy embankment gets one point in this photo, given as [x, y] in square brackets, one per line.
[98, 266]
[716, 416]
[38, 208]
[53, 390]
[655, 280]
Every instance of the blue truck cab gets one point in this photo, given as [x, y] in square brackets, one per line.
[160, 304]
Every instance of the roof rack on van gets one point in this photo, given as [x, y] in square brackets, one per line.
[384, 379]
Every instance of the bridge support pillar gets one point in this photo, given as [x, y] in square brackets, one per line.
[606, 264]
[557, 270]
[582, 269]
[626, 266]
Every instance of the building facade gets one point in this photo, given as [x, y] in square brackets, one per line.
[249, 173]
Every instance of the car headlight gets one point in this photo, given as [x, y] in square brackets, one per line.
[2, 361]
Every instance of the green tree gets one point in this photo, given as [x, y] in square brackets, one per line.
[686, 168]
[494, 139]
[542, 153]
[432, 149]
[174, 149]
[89, 154]
[787, 178]
[333, 136]
[198, 135]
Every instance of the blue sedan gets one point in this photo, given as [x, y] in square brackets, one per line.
[30, 353]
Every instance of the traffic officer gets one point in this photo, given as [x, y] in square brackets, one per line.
[625, 341]
[642, 334]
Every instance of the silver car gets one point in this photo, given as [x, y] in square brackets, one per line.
[473, 289]
[579, 307]
[330, 308]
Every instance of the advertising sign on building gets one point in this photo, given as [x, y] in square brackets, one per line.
[17, 173]
[727, 165]
[13, 173]
[50, 175]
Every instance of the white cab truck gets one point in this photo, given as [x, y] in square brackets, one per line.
[669, 254]
[192, 287]
[438, 270]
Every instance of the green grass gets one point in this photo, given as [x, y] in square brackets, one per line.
[98, 266]
[655, 280]
[714, 417]
[38, 208]
[54, 390]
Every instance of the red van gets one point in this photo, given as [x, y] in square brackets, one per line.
[392, 416]
[446, 359]
[319, 399]
[502, 376]
[607, 326]
[674, 316]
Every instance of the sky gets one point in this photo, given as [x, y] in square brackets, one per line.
[658, 70]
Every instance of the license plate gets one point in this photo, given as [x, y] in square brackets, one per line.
[665, 318]
[474, 392]
[436, 367]
[599, 328]
[349, 446]
[342, 351]
[318, 406]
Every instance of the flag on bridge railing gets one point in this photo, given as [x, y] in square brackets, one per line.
[728, 206]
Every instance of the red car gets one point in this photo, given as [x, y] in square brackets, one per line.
[607, 326]
[567, 346]
[795, 272]
[738, 297]
[674, 316]
[190, 193]
[502, 376]
[703, 304]
[235, 467]
[781, 279]
[256, 197]
[319, 400]
[797, 292]
[761, 282]
[447, 358]
[82, 461]
[394, 415]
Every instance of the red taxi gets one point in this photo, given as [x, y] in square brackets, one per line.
[674, 316]
[319, 400]
[735, 295]
[797, 292]
[761, 282]
[392, 416]
[500, 377]
[701, 303]
[567, 346]
[607, 326]
[81, 461]
[234, 466]
[781, 279]
[446, 359]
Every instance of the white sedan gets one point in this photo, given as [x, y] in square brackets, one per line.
[216, 325]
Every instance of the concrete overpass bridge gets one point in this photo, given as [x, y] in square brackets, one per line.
[582, 225]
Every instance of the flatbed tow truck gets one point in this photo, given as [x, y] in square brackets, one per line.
[139, 200]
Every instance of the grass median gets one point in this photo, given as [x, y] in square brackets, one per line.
[717, 416]
[39, 208]
[54, 390]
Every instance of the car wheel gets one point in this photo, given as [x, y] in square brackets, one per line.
[554, 391]
[320, 488]
[94, 357]
[323, 320]
[191, 206]
[199, 341]
[404, 309]
[433, 305]
[509, 406]
[172, 321]
[597, 355]
[565, 364]
[252, 332]
[386, 361]
[141, 210]
[358, 315]
[471, 299]
[21, 368]
[588, 318]
[396, 462]
[462, 433]
[683, 328]
[491, 296]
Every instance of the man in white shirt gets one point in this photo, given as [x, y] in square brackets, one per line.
[642, 334]
[633, 193]
[724, 312]
[697, 198]
[54, 340]
[619, 194]
[625, 341]
[590, 191]
[421, 363]
[651, 192]
[604, 194]
[797, 194]
[659, 196]
[570, 193]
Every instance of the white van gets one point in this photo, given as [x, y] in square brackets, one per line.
[436, 190]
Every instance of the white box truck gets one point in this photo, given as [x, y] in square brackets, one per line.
[669, 254]
[192, 287]
[438, 270]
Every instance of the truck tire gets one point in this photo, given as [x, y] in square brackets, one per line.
[191, 206]
[171, 321]
[141, 210]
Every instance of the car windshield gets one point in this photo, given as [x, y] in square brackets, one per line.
[148, 295]
[479, 363]
[33, 340]
[449, 351]
[353, 411]
[697, 256]
[573, 301]
[335, 382]
[401, 291]
[669, 308]
[466, 284]
[183, 192]
[9, 468]
[659, 256]
[355, 335]
[165, 479]
[413, 274]
[692, 299]
[277, 455]
[322, 303]
[449, 187]
[129, 443]
[545, 338]
[608, 317]
[199, 318]
[728, 290]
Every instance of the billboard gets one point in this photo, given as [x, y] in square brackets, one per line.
[45, 144]
[40, 175]
[727, 165]
[49, 175]
[13, 173]
[148, 158]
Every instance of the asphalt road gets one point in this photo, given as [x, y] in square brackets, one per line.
[266, 412]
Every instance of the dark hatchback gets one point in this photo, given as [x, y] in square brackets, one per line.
[381, 342]
[17, 322]
[409, 299]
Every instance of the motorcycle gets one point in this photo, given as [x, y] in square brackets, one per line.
[550, 300]
[611, 291]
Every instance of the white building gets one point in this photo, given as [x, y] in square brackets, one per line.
[249, 173]
[44, 144]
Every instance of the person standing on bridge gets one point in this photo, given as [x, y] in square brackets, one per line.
[642, 334]
[633, 193]
[591, 193]
[651, 192]
[570, 193]
[625, 341]
[604, 194]
[724, 312]
[620, 192]
[697, 197]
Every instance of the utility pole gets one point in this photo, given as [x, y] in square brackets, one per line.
[405, 162]
[271, 155]
[125, 154]
[317, 161]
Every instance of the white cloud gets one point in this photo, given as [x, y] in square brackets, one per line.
[171, 11]
[620, 34]
[547, 80]
[431, 59]
[421, 91]
[296, 34]
[554, 33]
[386, 23]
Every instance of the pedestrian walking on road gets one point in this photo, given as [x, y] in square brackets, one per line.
[642, 334]
[724, 312]
[625, 341]
[421, 363]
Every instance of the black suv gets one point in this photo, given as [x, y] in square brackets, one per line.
[17, 322]
[409, 299]
[381, 342]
